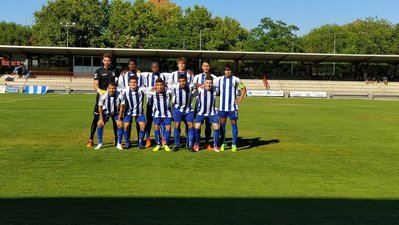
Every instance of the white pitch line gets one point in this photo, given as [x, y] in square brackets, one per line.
[44, 110]
[24, 99]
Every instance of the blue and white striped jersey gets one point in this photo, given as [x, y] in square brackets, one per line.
[182, 98]
[228, 87]
[161, 105]
[174, 77]
[124, 79]
[150, 79]
[133, 100]
[110, 104]
[206, 101]
[200, 79]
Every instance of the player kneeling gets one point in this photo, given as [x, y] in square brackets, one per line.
[206, 109]
[108, 106]
[132, 107]
[161, 113]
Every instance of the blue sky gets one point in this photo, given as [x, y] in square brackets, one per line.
[305, 14]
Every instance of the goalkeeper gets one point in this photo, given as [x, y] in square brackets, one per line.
[102, 78]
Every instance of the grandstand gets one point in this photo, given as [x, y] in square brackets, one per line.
[334, 89]
[65, 74]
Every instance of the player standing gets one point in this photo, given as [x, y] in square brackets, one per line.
[228, 107]
[124, 78]
[181, 71]
[102, 78]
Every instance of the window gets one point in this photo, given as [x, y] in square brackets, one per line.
[78, 61]
[86, 61]
[97, 61]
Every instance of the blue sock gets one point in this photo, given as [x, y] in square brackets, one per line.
[127, 138]
[197, 136]
[157, 134]
[100, 135]
[177, 137]
[120, 134]
[186, 132]
[216, 134]
[163, 128]
[190, 137]
[167, 137]
[222, 133]
[147, 135]
[235, 133]
[141, 137]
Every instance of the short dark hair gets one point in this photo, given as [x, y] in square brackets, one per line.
[182, 76]
[107, 55]
[208, 77]
[159, 80]
[113, 84]
[134, 78]
[181, 59]
[206, 61]
[133, 60]
[227, 67]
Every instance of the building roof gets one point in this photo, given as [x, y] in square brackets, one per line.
[228, 55]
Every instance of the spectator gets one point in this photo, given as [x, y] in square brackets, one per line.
[266, 80]
[366, 78]
[24, 72]
[15, 71]
[385, 80]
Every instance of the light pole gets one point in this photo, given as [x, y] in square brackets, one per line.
[67, 25]
[200, 48]
[292, 62]
[200, 44]
[335, 50]
[129, 41]
[82, 38]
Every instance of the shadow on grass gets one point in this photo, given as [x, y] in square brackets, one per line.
[242, 144]
[249, 143]
[210, 211]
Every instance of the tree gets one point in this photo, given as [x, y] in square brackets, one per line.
[196, 27]
[141, 24]
[167, 33]
[321, 40]
[118, 33]
[144, 22]
[88, 15]
[14, 34]
[395, 36]
[368, 36]
[271, 36]
[226, 35]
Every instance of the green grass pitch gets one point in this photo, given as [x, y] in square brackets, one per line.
[300, 161]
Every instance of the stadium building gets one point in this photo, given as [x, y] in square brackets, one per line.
[74, 61]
